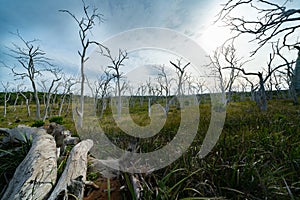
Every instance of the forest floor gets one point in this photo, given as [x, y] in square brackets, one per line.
[256, 157]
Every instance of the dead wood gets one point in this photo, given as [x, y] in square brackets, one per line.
[37, 173]
[71, 182]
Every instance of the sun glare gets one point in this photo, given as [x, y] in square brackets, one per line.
[214, 36]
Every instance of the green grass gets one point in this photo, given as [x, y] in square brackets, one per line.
[256, 157]
[14, 155]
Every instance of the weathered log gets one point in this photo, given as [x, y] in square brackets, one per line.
[72, 180]
[71, 140]
[98, 166]
[21, 133]
[37, 173]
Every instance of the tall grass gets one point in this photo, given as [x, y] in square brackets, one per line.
[11, 156]
[256, 157]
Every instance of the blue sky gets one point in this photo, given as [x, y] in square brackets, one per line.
[58, 33]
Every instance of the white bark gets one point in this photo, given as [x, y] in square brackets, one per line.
[74, 174]
[27, 103]
[37, 173]
[21, 133]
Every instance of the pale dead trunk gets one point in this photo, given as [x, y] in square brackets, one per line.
[6, 99]
[149, 107]
[61, 104]
[37, 102]
[81, 107]
[27, 104]
[16, 101]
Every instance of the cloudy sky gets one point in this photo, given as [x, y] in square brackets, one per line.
[58, 34]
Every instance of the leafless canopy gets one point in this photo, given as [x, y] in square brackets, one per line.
[86, 24]
[181, 72]
[273, 21]
[31, 58]
[116, 62]
[271, 69]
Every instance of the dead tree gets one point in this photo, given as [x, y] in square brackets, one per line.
[16, 91]
[72, 181]
[68, 82]
[199, 88]
[116, 63]
[291, 76]
[21, 92]
[33, 64]
[102, 90]
[141, 91]
[244, 86]
[151, 94]
[272, 22]
[6, 96]
[165, 82]
[260, 96]
[49, 93]
[295, 83]
[180, 71]
[85, 25]
[225, 56]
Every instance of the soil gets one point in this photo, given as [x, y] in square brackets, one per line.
[102, 192]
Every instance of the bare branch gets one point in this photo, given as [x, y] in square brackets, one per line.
[273, 21]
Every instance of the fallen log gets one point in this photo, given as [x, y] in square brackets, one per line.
[71, 182]
[19, 134]
[37, 173]
[98, 166]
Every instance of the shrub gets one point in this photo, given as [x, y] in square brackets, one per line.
[57, 119]
[38, 123]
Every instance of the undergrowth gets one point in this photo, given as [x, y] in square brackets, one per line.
[256, 157]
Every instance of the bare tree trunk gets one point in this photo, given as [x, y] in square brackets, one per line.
[37, 102]
[261, 99]
[16, 101]
[293, 93]
[6, 99]
[69, 105]
[27, 103]
[103, 107]
[119, 98]
[61, 104]
[48, 96]
[149, 107]
[81, 107]
[30, 98]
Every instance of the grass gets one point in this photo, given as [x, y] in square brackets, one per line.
[256, 157]
[14, 155]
